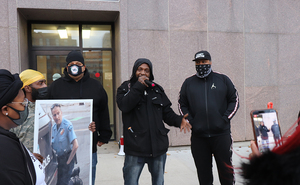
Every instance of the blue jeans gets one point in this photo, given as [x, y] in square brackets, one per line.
[133, 167]
[265, 144]
[94, 163]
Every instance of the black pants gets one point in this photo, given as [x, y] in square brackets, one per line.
[202, 150]
[64, 169]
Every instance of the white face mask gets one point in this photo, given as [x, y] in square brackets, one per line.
[203, 70]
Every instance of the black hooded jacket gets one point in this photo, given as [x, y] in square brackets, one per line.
[144, 109]
[16, 166]
[86, 88]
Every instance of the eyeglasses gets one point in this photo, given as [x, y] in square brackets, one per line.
[24, 103]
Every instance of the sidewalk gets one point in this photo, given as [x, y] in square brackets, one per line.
[180, 168]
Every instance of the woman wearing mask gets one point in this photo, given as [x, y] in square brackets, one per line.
[18, 166]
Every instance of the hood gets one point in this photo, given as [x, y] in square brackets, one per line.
[8, 134]
[137, 63]
[85, 77]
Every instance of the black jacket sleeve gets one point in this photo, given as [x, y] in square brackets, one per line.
[183, 104]
[103, 127]
[129, 97]
[12, 168]
[169, 116]
[232, 99]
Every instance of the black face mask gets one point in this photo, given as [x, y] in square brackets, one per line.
[74, 70]
[203, 70]
[39, 94]
[23, 115]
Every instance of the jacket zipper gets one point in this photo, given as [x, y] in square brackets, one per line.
[205, 84]
[27, 163]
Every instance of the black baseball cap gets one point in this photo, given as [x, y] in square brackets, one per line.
[202, 55]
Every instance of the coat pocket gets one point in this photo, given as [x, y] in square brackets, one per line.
[164, 131]
[163, 140]
[137, 140]
[157, 101]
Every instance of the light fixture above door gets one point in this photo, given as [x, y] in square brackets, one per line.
[62, 31]
[86, 32]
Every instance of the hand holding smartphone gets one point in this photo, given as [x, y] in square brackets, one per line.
[266, 129]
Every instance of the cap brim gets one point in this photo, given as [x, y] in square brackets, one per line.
[200, 59]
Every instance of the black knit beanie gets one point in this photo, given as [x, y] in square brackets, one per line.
[75, 56]
[10, 86]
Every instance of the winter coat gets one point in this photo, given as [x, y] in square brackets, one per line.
[86, 88]
[264, 131]
[275, 130]
[16, 166]
[210, 102]
[144, 109]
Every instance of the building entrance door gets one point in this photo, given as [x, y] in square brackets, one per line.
[99, 64]
[50, 43]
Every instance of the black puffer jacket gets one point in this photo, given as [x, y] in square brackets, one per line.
[86, 88]
[210, 102]
[143, 111]
[16, 166]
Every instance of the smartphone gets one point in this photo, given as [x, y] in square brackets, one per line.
[266, 129]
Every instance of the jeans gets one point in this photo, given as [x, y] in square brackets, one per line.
[133, 167]
[265, 144]
[94, 163]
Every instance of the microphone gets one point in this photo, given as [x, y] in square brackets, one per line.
[150, 84]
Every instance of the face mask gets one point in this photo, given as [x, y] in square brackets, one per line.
[23, 115]
[203, 70]
[74, 70]
[39, 94]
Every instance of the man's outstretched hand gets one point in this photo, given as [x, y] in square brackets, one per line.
[185, 125]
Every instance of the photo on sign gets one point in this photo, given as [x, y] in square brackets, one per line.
[62, 137]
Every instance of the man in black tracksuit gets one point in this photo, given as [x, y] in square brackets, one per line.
[77, 84]
[210, 100]
[144, 109]
[264, 136]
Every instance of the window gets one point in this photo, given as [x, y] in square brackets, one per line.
[50, 44]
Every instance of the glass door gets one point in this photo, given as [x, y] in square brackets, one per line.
[99, 64]
[50, 43]
[51, 65]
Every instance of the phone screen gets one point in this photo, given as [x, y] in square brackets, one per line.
[266, 129]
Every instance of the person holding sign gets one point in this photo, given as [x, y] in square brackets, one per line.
[77, 84]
